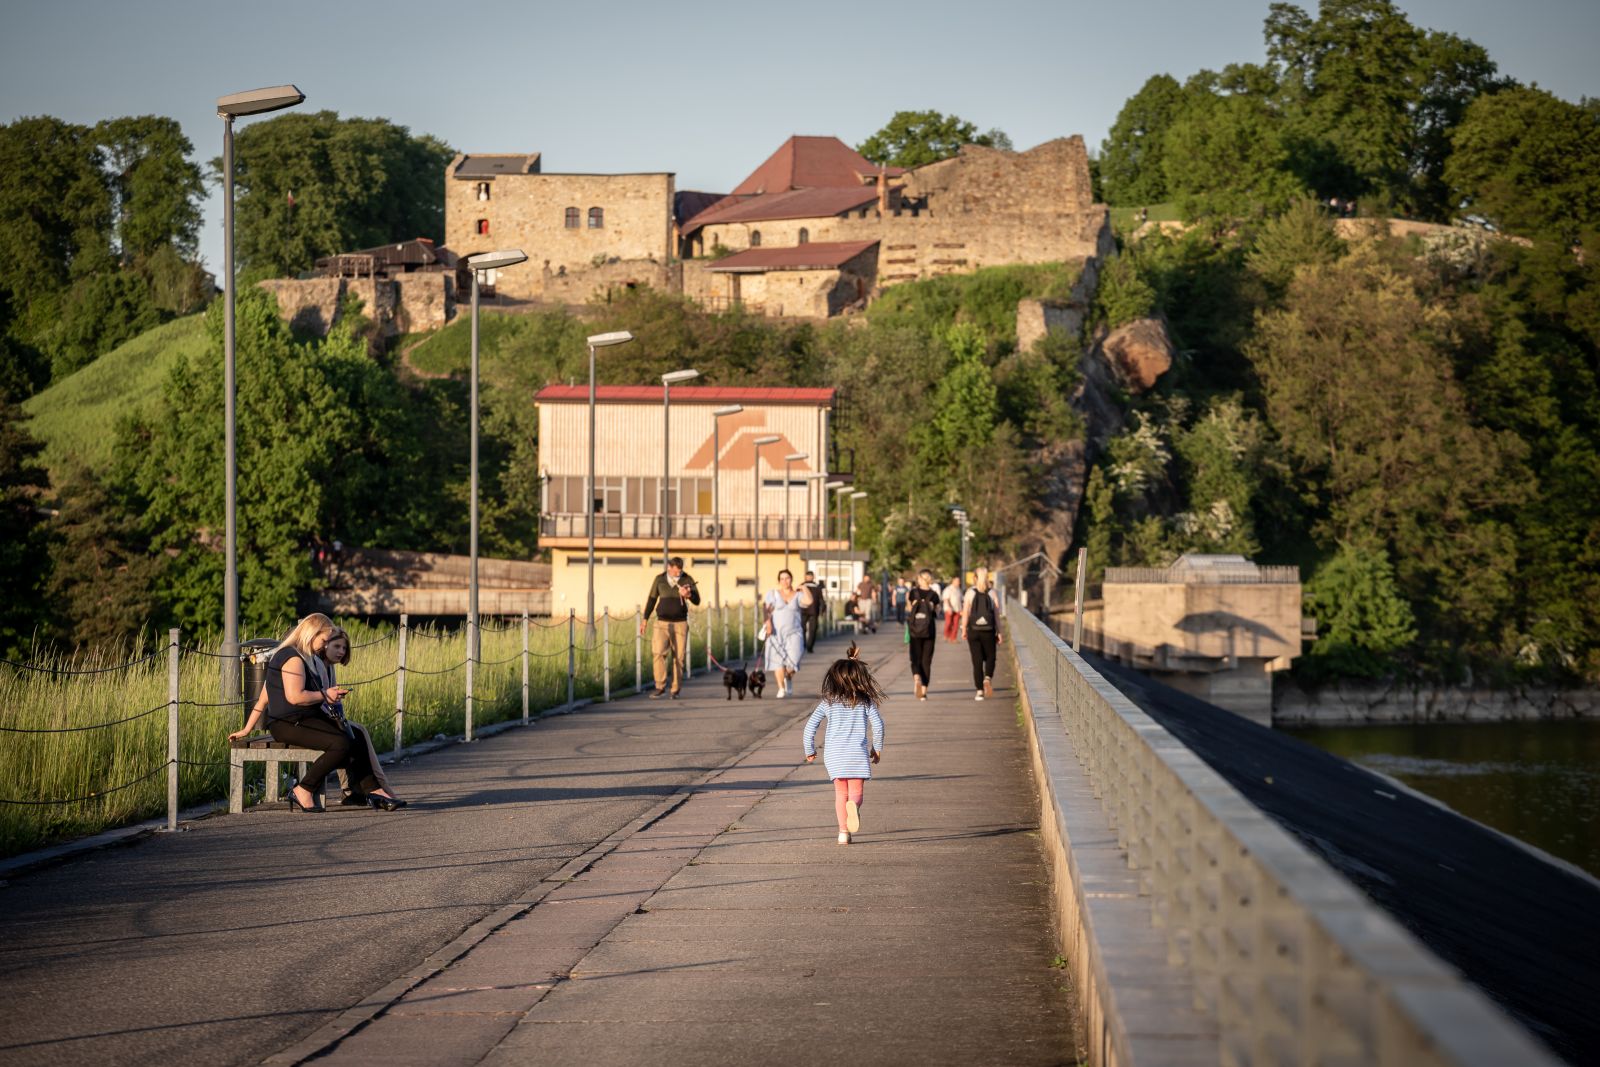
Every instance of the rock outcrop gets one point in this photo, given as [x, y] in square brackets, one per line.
[1139, 352]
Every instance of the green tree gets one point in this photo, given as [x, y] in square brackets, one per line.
[1132, 170]
[913, 138]
[155, 187]
[965, 402]
[1225, 155]
[101, 573]
[1529, 163]
[1301, 236]
[1363, 622]
[1221, 457]
[24, 554]
[310, 185]
[1122, 295]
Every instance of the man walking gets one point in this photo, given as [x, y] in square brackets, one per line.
[670, 596]
[809, 614]
[866, 595]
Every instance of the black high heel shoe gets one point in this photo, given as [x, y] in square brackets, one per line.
[295, 805]
[386, 803]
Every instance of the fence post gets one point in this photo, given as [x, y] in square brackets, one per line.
[687, 666]
[172, 729]
[723, 615]
[605, 659]
[572, 654]
[742, 606]
[524, 667]
[1077, 609]
[471, 673]
[400, 690]
[638, 652]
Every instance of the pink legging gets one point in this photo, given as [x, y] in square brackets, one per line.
[847, 789]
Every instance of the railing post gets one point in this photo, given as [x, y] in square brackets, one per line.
[1077, 601]
[638, 651]
[172, 729]
[471, 673]
[572, 650]
[605, 637]
[524, 668]
[687, 666]
[400, 689]
[742, 606]
[723, 615]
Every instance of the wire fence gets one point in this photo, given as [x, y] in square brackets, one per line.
[84, 745]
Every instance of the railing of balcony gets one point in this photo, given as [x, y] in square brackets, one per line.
[692, 527]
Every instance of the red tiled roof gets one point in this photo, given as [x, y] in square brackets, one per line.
[794, 204]
[818, 255]
[685, 394]
[809, 163]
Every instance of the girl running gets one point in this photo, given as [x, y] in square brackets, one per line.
[850, 699]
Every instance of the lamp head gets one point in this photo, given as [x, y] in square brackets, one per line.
[506, 257]
[674, 377]
[833, 484]
[796, 457]
[731, 409]
[859, 496]
[258, 101]
[605, 340]
[767, 439]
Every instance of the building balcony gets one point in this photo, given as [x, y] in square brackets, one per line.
[621, 530]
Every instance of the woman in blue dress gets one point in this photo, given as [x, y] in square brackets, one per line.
[785, 629]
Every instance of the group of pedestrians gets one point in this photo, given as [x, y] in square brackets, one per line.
[972, 616]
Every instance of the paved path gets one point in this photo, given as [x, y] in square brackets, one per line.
[639, 882]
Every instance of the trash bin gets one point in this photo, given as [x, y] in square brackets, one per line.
[253, 661]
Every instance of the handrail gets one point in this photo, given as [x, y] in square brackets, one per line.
[1293, 963]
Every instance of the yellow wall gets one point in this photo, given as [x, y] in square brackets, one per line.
[624, 588]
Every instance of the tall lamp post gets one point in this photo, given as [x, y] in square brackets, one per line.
[825, 498]
[599, 340]
[853, 498]
[236, 105]
[792, 457]
[959, 513]
[813, 486]
[755, 519]
[479, 263]
[668, 380]
[841, 492]
[717, 416]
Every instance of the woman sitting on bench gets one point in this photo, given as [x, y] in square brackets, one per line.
[295, 715]
[336, 653]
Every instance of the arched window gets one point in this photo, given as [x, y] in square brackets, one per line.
[572, 218]
[755, 238]
[805, 235]
[483, 190]
[597, 218]
[483, 227]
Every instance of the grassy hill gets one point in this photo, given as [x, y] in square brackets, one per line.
[76, 417]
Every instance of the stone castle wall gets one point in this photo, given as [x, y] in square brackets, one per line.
[528, 211]
[407, 304]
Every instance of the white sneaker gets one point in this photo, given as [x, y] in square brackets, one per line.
[979, 697]
[852, 816]
[844, 839]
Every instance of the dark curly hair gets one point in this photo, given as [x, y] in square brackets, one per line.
[849, 681]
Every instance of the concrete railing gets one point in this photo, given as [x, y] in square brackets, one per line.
[1291, 963]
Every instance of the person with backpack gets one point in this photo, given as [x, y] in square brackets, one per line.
[810, 614]
[922, 612]
[980, 625]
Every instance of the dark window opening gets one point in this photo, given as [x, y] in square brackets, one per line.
[597, 218]
[805, 235]
[483, 190]
[755, 238]
[572, 218]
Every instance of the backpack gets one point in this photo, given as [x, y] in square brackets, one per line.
[982, 617]
[920, 622]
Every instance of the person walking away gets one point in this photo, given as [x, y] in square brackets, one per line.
[980, 625]
[902, 595]
[866, 596]
[850, 700]
[952, 599]
[785, 630]
[810, 614]
[670, 596]
[922, 614]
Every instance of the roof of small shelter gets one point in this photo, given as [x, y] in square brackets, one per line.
[686, 394]
[817, 255]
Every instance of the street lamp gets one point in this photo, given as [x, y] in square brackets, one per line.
[853, 498]
[755, 520]
[825, 498]
[959, 513]
[599, 340]
[668, 380]
[716, 505]
[792, 457]
[479, 263]
[813, 482]
[237, 105]
[841, 492]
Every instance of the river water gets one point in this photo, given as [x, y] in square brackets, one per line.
[1538, 781]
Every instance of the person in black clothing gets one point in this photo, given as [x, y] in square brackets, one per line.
[980, 625]
[922, 613]
[295, 715]
[809, 614]
[670, 596]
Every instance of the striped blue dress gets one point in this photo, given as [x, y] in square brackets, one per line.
[845, 752]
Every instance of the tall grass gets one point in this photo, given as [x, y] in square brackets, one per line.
[93, 763]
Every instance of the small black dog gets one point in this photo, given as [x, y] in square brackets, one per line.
[734, 682]
[758, 682]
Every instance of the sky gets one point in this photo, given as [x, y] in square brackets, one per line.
[705, 90]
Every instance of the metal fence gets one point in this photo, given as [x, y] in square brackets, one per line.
[1294, 964]
[1222, 575]
[687, 527]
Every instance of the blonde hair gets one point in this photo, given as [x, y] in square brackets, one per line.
[305, 631]
[980, 576]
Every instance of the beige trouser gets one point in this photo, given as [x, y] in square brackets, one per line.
[669, 644]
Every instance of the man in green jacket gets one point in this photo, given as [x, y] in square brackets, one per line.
[670, 596]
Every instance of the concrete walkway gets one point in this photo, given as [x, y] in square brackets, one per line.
[641, 882]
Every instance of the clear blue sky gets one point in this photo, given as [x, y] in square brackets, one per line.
[703, 89]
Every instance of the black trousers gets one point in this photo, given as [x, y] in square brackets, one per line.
[809, 626]
[922, 658]
[982, 645]
[338, 750]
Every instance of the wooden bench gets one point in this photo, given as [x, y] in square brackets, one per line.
[262, 749]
